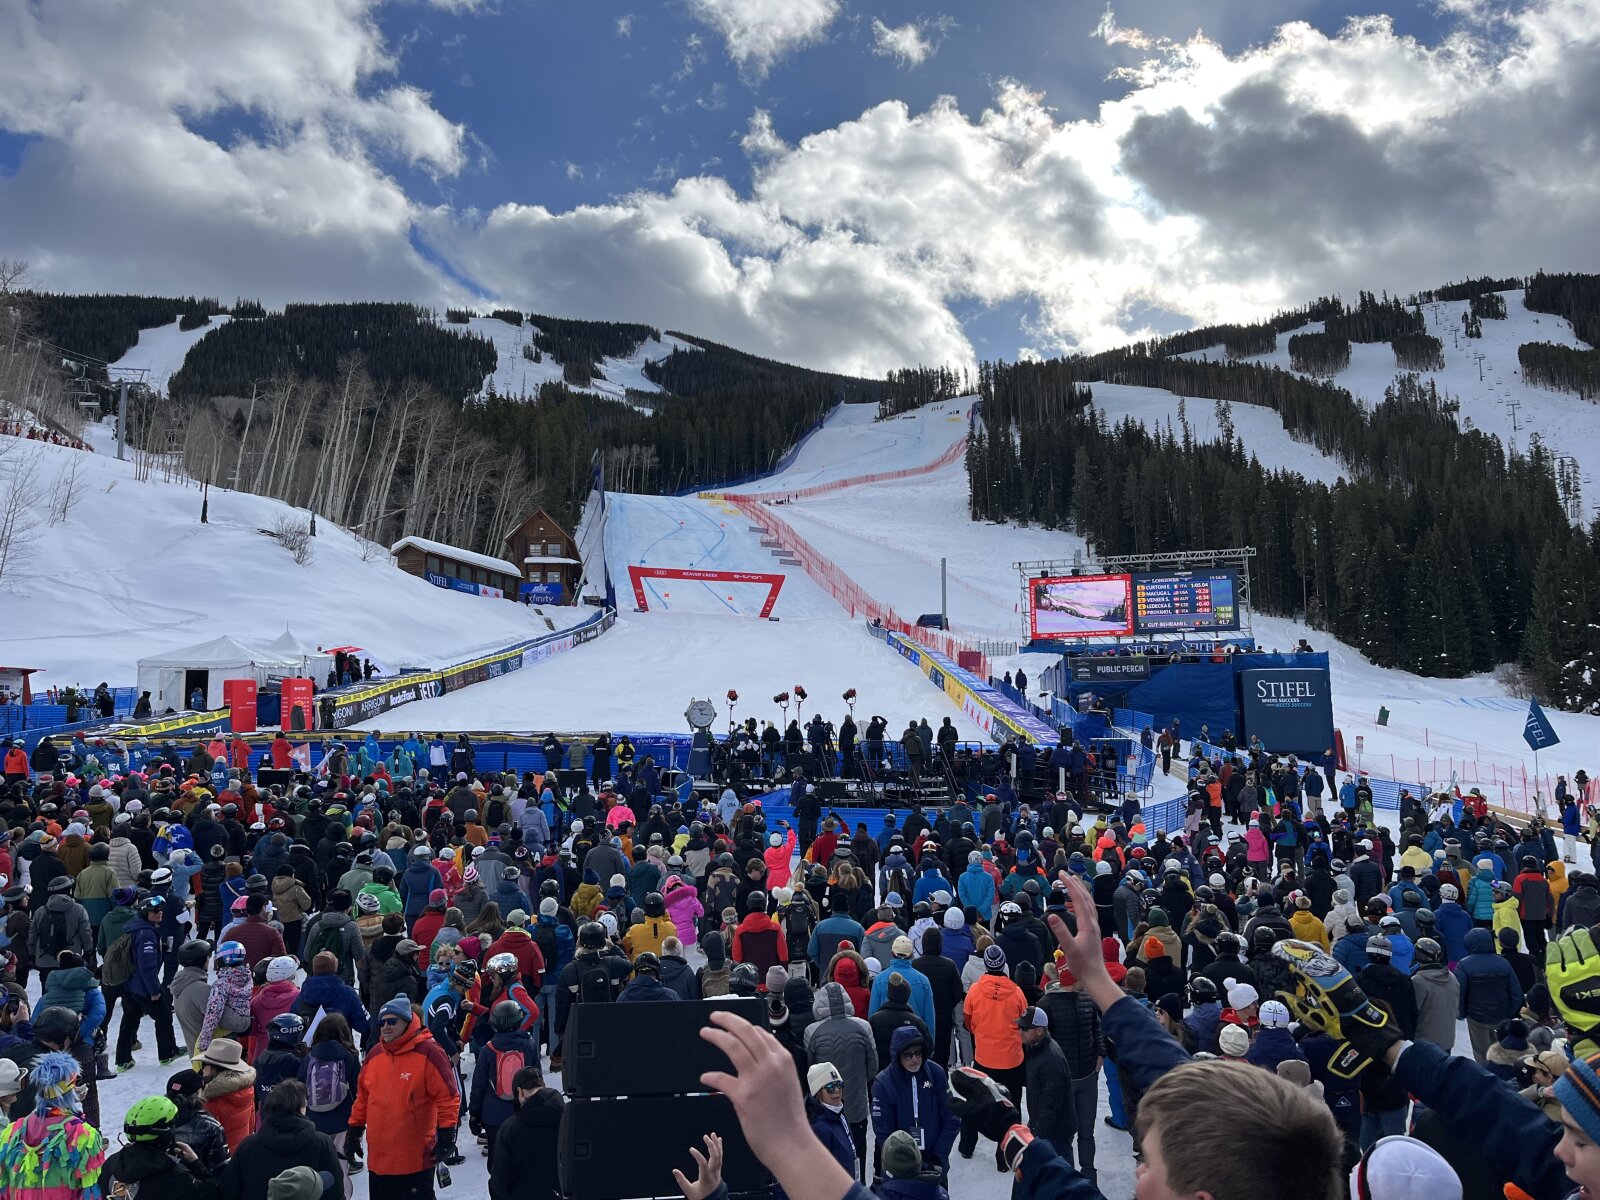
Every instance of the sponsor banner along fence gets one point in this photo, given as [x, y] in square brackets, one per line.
[986, 707]
[361, 703]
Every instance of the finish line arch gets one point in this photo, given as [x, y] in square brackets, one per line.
[637, 575]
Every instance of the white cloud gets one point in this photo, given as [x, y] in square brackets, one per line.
[1216, 186]
[574, 171]
[913, 43]
[625, 25]
[761, 32]
[1108, 31]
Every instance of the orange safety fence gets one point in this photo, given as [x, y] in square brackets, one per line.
[948, 458]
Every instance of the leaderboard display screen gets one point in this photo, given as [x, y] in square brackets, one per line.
[1176, 601]
[1080, 606]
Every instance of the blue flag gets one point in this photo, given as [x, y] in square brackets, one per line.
[1538, 732]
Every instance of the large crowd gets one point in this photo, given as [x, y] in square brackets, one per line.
[344, 970]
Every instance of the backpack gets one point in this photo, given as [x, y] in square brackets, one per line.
[370, 926]
[713, 982]
[797, 925]
[594, 981]
[53, 934]
[332, 939]
[506, 1065]
[327, 1085]
[117, 968]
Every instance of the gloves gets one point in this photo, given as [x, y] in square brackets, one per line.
[977, 1098]
[352, 1142]
[1328, 1000]
[1016, 1140]
[1572, 971]
[445, 1147]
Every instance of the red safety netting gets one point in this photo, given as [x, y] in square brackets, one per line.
[850, 594]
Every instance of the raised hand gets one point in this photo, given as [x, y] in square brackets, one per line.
[708, 1173]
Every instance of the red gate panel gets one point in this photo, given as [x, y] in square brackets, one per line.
[637, 575]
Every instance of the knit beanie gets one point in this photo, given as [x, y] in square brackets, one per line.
[325, 962]
[1403, 1168]
[1234, 1041]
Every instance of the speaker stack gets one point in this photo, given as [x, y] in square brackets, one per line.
[635, 1103]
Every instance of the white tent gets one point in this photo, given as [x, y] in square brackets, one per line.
[170, 678]
[313, 663]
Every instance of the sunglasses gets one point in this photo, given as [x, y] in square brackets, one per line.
[912, 1054]
[833, 1087]
[391, 1021]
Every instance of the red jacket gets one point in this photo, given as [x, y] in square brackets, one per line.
[529, 960]
[406, 1093]
[230, 1097]
[759, 941]
[281, 751]
[239, 754]
[17, 762]
[259, 940]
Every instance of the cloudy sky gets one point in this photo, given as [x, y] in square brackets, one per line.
[853, 184]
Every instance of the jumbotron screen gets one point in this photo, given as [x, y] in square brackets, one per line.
[1080, 606]
[1176, 601]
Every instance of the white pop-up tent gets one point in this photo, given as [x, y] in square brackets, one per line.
[171, 678]
[312, 661]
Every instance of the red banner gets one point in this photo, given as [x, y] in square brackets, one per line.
[239, 696]
[297, 698]
[637, 575]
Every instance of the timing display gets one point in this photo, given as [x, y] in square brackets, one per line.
[1180, 600]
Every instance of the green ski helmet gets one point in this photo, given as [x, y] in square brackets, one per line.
[150, 1119]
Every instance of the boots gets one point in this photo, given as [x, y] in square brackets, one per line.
[102, 1066]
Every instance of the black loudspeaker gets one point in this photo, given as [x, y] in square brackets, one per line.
[619, 1149]
[570, 779]
[267, 776]
[651, 1049]
[833, 791]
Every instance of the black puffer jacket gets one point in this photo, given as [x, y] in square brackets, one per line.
[280, 1143]
[145, 1167]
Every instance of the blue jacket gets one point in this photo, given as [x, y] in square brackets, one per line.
[1205, 1022]
[958, 945]
[1453, 923]
[921, 991]
[334, 994]
[1271, 1047]
[833, 1131]
[418, 879]
[1351, 951]
[929, 882]
[483, 1104]
[646, 989]
[828, 933]
[1404, 952]
[916, 1103]
[1511, 1134]
[976, 890]
[1480, 898]
[1490, 991]
[145, 946]
[1398, 891]
[1571, 821]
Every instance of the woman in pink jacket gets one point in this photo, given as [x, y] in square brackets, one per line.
[274, 998]
[1257, 852]
[778, 854]
[683, 906]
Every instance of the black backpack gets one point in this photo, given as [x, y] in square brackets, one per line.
[53, 937]
[594, 981]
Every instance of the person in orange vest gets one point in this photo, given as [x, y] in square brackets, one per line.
[16, 763]
[991, 1009]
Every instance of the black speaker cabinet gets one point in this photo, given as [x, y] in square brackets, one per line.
[625, 1149]
[267, 776]
[571, 779]
[652, 1049]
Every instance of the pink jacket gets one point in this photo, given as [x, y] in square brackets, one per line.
[271, 1000]
[1256, 848]
[777, 859]
[617, 814]
[683, 907]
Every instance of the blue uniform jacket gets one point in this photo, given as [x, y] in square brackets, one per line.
[915, 1103]
[921, 991]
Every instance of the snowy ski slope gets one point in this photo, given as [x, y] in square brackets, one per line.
[1483, 374]
[161, 351]
[516, 375]
[132, 572]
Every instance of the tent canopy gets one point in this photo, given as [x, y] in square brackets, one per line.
[171, 677]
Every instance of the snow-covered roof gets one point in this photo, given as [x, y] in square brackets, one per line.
[469, 557]
[545, 559]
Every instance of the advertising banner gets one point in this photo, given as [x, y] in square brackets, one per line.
[297, 713]
[362, 704]
[239, 697]
[1133, 668]
[1289, 708]
[1080, 606]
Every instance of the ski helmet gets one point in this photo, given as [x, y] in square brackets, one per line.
[231, 954]
[1202, 990]
[654, 905]
[150, 1119]
[506, 1015]
[591, 936]
[194, 953]
[503, 963]
[287, 1028]
[647, 964]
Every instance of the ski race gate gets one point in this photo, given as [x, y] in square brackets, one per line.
[637, 575]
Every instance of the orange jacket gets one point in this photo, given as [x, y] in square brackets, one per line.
[17, 761]
[407, 1093]
[230, 1097]
[991, 1008]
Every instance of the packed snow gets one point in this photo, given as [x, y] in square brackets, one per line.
[160, 351]
[517, 375]
[1482, 373]
[132, 572]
